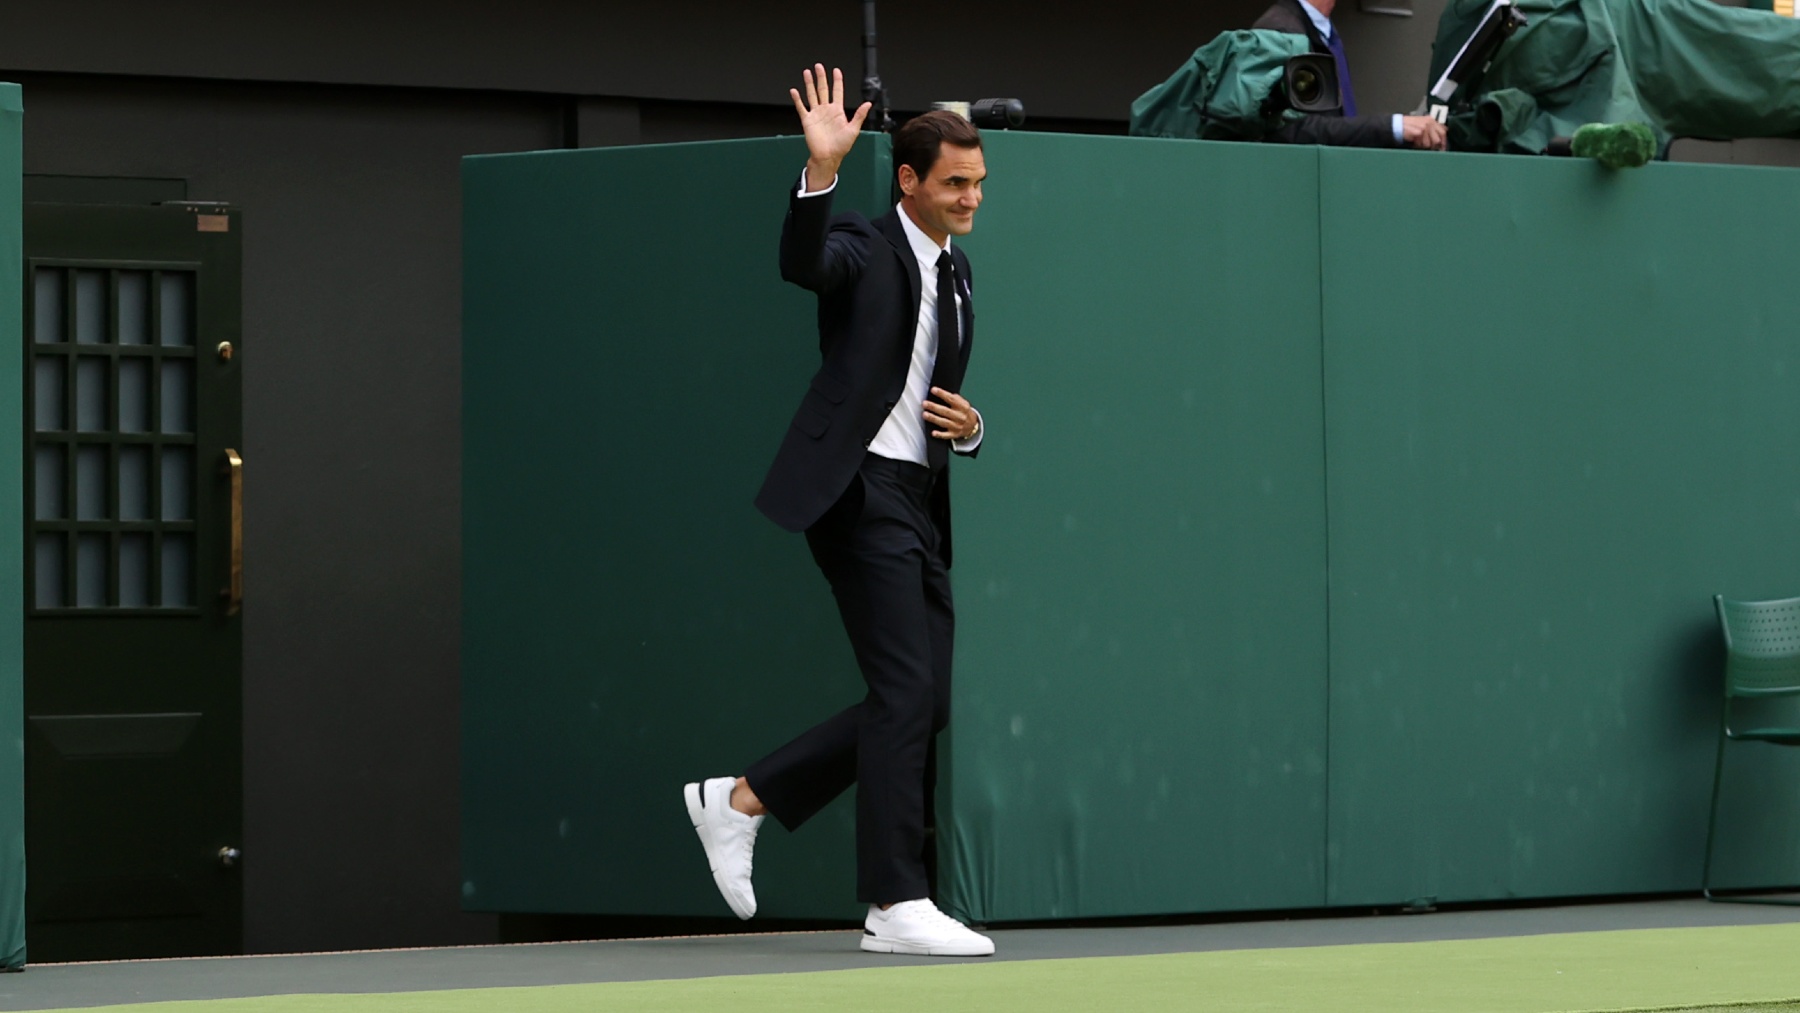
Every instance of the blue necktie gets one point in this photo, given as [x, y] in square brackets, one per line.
[1336, 43]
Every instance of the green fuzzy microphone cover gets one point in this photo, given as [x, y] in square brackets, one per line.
[1615, 145]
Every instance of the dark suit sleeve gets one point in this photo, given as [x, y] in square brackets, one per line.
[817, 254]
[1343, 131]
[1346, 132]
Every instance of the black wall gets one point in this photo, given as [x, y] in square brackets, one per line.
[338, 128]
[351, 446]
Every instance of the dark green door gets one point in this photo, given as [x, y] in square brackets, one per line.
[133, 796]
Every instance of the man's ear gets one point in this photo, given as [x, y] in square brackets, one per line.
[908, 180]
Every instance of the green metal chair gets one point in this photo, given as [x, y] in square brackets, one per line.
[1762, 660]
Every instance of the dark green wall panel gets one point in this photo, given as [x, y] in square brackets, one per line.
[631, 359]
[12, 561]
[1344, 532]
[1563, 411]
[1139, 706]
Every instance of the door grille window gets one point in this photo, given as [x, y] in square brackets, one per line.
[113, 416]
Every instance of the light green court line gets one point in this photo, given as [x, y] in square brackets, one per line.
[1632, 970]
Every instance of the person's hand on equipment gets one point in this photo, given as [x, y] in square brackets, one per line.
[829, 133]
[1423, 132]
[952, 414]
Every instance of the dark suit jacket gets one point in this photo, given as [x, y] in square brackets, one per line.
[867, 280]
[1349, 131]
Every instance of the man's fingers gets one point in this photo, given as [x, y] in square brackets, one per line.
[862, 113]
[798, 105]
[812, 92]
[837, 86]
[824, 84]
[949, 398]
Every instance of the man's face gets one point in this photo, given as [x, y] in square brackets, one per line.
[943, 203]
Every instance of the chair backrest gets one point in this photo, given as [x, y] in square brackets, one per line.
[1762, 646]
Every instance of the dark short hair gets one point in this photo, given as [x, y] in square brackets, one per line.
[919, 140]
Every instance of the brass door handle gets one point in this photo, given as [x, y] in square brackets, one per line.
[234, 592]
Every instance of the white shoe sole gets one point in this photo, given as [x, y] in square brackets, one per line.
[876, 944]
[690, 793]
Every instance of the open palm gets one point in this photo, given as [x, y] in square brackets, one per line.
[829, 133]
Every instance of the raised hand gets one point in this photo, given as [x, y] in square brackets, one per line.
[829, 133]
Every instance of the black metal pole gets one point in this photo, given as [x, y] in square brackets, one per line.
[872, 90]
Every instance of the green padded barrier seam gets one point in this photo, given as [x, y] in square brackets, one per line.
[1139, 698]
[1325, 511]
[12, 563]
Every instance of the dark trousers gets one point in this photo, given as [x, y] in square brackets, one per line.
[878, 549]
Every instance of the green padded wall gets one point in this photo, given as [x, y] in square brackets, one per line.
[1139, 721]
[1563, 409]
[1344, 533]
[631, 358]
[12, 559]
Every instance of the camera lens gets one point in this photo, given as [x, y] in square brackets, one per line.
[997, 113]
[1307, 86]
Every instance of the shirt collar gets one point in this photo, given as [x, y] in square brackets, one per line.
[1320, 21]
[922, 246]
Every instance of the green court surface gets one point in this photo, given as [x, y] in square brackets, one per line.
[1741, 967]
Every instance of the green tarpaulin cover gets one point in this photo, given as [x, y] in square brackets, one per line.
[1219, 93]
[1687, 68]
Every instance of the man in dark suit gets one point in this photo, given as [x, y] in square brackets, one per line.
[863, 471]
[1312, 18]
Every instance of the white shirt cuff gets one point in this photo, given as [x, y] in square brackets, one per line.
[803, 192]
[964, 446]
[1399, 138]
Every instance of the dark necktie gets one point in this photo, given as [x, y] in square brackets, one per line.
[1336, 44]
[946, 371]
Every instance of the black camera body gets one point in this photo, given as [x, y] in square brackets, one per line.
[988, 113]
[1309, 84]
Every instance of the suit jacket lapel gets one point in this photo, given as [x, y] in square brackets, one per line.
[967, 318]
[889, 226]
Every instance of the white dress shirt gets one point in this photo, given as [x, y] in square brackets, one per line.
[902, 435]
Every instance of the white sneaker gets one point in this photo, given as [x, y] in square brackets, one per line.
[728, 836]
[919, 928]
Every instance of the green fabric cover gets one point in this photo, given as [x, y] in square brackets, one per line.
[1218, 94]
[1687, 68]
[12, 551]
